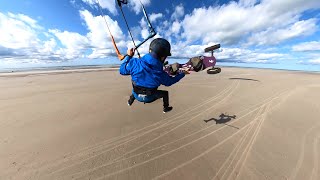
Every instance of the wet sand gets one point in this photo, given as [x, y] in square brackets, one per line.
[239, 124]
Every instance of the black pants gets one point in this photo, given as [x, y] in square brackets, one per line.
[157, 95]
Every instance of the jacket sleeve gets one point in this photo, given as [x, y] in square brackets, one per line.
[169, 80]
[126, 66]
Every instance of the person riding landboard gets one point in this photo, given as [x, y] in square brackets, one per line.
[147, 74]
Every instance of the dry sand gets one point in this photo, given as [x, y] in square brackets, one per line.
[239, 124]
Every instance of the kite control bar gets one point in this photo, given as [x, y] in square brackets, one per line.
[152, 32]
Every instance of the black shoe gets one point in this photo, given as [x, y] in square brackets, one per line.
[167, 109]
[130, 101]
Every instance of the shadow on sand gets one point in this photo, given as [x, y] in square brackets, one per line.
[246, 79]
[223, 119]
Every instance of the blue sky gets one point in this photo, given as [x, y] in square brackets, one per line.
[281, 34]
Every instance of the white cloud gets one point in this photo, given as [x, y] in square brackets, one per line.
[74, 44]
[49, 46]
[275, 36]
[315, 61]
[294, 7]
[71, 40]
[246, 22]
[17, 31]
[144, 33]
[175, 28]
[178, 12]
[29, 21]
[153, 17]
[111, 5]
[98, 35]
[136, 5]
[20, 38]
[307, 46]
[143, 22]
[105, 4]
[98, 31]
[248, 56]
[311, 61]
[183, 49]
[232, 23]
[258, 57]
[141, 32]
[99, 53]
[233, 54]
[247, 3]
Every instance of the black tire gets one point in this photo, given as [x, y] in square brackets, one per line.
[214, 70]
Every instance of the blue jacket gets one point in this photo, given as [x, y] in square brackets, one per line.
[147, 72]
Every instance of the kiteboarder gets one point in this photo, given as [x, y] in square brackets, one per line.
[147, 74]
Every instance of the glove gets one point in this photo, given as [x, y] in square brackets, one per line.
[130, 52]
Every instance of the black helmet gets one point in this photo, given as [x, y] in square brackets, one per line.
[161, 47]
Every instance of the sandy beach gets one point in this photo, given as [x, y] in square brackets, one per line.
[239, 124]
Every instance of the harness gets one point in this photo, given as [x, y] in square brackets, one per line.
[143, 90]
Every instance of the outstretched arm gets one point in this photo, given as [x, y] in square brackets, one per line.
[169, 80]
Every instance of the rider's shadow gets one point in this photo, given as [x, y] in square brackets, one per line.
[223, 119]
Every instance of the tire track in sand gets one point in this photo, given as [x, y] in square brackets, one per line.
[120, 140]
[139, 164]
[105, 166]
[148, 131]
[315, 169]
[248, 148]
[235, 151]
[185, 122]
[253, 139]
[205, 152]
[302, 153]
[210, 149]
